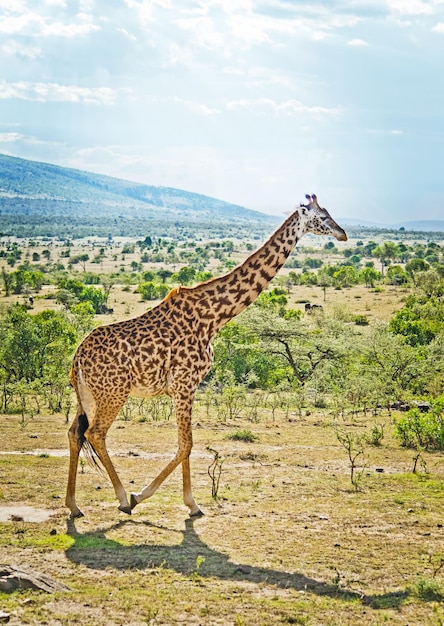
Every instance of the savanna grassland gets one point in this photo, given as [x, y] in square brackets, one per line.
[323, 503]
[290, 539]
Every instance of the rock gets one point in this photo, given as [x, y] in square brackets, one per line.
[13, 578]
[4, 617]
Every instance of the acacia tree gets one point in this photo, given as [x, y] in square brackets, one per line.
[386, 251]
[369, 276]
[416, 266]
[325, 280]
[7, 281]
[35, 349]
[396, 368]
[303, 347]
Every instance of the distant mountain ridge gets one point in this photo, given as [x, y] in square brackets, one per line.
[413, 225]
[38, 198]
[36, 188]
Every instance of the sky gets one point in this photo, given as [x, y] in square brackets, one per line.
[256, 102]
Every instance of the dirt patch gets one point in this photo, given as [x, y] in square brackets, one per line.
[24, 514]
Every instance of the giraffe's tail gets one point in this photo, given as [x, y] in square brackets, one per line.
[88, 449]
[87, 406]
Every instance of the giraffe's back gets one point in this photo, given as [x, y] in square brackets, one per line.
[123, 356]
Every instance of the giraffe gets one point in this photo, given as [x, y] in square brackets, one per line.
[167, 350]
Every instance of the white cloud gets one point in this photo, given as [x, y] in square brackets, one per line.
[229, 26]
[204, 32]
[127, 34]
[54, 92]
[33, 24]
[357, 42]
[415, 7]
[287, 107]
[26, 140]
[383, 131]
[146, 9]
[12, 5]
[14, 48]
[438, 28]
[69, 30]
[197, 107]
[10, 137]
[61, 4]
[257, 76]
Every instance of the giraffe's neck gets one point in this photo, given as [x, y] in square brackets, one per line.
[222, 298]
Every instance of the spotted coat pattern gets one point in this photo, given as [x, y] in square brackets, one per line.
[167, 350]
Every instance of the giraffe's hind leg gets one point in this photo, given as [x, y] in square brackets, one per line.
[74, 451]
[96, 437]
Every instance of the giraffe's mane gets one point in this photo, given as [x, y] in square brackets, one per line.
[172, 293]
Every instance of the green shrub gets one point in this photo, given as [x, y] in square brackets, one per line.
[428, 589]
[376, 435]
[423, 430]
[361, 320]
[243, 435]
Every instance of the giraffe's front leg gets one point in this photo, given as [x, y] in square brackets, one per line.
[183, 405]
[195, 510]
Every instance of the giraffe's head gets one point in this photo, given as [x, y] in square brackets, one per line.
[316, 220]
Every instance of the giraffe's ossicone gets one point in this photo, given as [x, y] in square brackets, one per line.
[167, 350]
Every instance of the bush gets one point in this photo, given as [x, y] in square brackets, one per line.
[427, 589]
[361, 320]
[423, 430]
[243, 435]
[376, 435]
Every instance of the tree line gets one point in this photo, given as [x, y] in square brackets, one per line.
[321, 358]
[325, 358]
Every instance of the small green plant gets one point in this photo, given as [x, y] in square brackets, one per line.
[376, 435]
[354, 446]
[195, 576]
[361, 320]
[419, 458]
[214, 472]
[243, 435]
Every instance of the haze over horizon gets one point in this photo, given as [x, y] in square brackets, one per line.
[255, 102]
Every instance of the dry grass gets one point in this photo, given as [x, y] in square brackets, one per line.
[291, 541]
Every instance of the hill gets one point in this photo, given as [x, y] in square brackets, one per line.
[425, 226]
[43, 199]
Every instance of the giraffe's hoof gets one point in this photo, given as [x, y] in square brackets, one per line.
[125, 509]
[133, 501]
[198, 513]
[76, 515]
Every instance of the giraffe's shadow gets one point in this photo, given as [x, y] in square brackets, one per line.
[96, 551]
